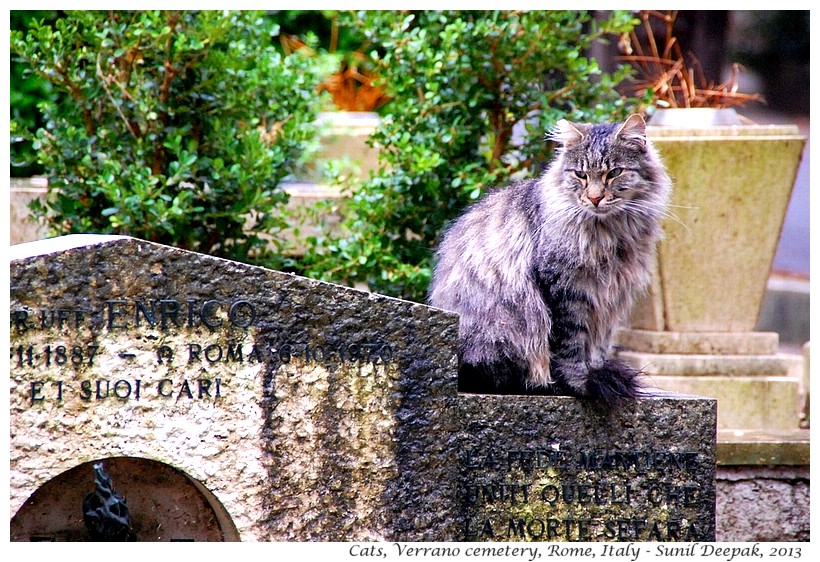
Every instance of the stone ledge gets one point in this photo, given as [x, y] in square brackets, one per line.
[703, 343]
[763, 448]
[668, 364]
[763, 503]
[750, 403]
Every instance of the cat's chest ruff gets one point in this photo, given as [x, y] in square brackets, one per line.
[597, 247]
[608, 259]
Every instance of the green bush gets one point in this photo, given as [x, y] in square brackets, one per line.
[474, 93]
[175, 127]
[27, 91]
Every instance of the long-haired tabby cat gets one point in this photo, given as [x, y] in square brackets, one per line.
[543, 271]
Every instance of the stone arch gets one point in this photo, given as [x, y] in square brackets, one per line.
[166, 504]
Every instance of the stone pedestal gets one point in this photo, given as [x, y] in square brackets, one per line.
[22, 191]
[756, 386]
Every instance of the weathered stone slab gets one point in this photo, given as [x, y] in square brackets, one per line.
[546, 468]
[754, 403]
[307, 411]
[311, 411]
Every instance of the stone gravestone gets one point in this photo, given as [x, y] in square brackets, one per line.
[268, 407]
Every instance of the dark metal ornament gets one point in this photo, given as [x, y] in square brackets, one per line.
[105, 511]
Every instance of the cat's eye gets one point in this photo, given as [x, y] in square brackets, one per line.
[580, 175]
[614, 173]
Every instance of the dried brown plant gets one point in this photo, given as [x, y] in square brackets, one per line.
[675, 80]
[352, 87]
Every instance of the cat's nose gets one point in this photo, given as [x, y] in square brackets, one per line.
[594, 200]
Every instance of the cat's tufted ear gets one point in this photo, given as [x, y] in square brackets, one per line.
[566, 133]
[633, 129]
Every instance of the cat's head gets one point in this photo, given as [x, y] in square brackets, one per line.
[606, 167]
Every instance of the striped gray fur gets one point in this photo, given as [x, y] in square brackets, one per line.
[542, 272]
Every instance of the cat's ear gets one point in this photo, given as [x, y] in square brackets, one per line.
[633, 130]
[566, 133]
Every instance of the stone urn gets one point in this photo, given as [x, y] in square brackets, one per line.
[694, 328]
[731, 187]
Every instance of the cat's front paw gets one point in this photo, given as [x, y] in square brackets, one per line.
[572, 376]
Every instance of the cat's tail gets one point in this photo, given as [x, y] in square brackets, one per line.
[614, 383]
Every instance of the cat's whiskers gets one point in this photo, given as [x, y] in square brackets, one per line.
[647, 209]
[675, 218]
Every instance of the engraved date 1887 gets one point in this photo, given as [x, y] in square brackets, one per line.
[48, 355]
